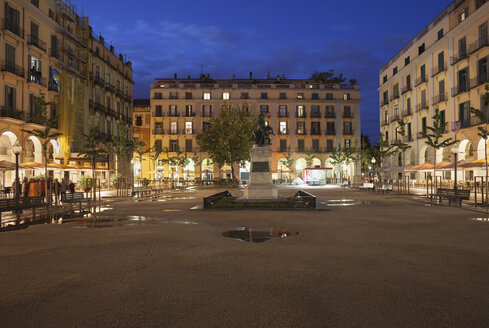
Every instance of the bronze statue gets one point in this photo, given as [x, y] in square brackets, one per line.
[262, 135]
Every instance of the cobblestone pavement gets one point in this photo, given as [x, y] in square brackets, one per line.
[369, 261]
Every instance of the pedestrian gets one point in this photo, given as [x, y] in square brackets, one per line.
[71, 186]
[25, 187]
[64, 187]
[42, 185]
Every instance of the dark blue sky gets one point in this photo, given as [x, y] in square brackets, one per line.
[355, 37]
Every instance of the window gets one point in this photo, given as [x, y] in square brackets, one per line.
[158, 144]
[440, 34]
[395, 91]
[463, 80]
[330, 128]
[188, 128]
[10, 62]
[421, 49]
[158, 95]
[244, 95]
[283, 95]
[315, 111]
[408, 105]
[225, 95]
[396, 110]
[188, 145]
[54, 51]
[441, 89]
[442, 114]
[329, 145]
[109, 105]
[300, 95]
[264, 109]
[464, 114]
[315, 96]
[408, 82]
[423, 73]
[35, 74]
[173, 95]
[346, 96]
[347, 112]
[207, 95]
[441, 61]
[283, 145]
[139, 120]
[463, 15]
[423, 124]
[188, 110]
[479, 3]
[394, 71]
[462, 48]
[347, 128]
[329, 96]
[118, 85]
[315, 145]
[300, 145]
[386, 136]
[409, 135]
[35, 106]
[264, 95]
[206, 111]
[188, 95]
[12, 20]
[283, 128]
[158, 128]
[301, 128]
[386, 116]
[158, 111]
[107, 79]
[386, 97]
[347, 143]
[282, 111]
[173, 111]
[407, 60]
[10, 99]
[315, 128]
[206, 125]
[173, 145]
[330, 112]
[384, 79]
[301, 111]
[173, 127]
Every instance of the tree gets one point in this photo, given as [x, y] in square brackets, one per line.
[483, 131]
[197, 160]
[122, 146]
[336, 158]
[433, 136]
[400, 145]
[139, 149]
[309, 158]
[44, 134]
[288, 160]
[156, 154]
[381, 150]
[365, 152]
[228, 139]
[91, 149]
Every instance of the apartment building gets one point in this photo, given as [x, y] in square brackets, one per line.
[309, 119]
[48, 48]
[444, 67]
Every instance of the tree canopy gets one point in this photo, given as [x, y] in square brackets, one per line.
[228, 139]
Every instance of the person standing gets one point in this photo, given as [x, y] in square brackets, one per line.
[71, 186]
[64, 187]
[25, 187]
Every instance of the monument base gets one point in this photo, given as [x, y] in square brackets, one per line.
[260, 185]
[260, 192]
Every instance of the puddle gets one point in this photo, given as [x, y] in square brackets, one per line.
[345, 202]
[257, 235]
[111, 221]
[481, 220]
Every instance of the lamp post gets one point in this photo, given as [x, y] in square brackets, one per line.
[455, 153]
[373, 167]
[17, 149]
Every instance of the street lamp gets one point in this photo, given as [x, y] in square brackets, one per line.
[17, 149]
[455, 153]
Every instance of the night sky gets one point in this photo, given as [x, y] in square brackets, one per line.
[355, 37]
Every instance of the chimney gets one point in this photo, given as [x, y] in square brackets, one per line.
[101, 39]
[175, 76]
[189, 77]
[251, 75]
[121, 58]
[112, 49]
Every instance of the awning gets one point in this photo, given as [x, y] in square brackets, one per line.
[428, 166]
[6, 166]
[480, 163]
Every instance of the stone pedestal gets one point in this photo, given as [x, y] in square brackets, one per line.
[260, 186]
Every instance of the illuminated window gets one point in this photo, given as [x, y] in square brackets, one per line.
[173, 127]
[207, 95]
[188, 127]
[225, 95]
[301, 111]
[283, 127]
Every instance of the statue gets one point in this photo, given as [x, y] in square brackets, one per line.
[262, 135]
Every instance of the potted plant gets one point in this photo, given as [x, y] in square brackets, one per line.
[85, 182]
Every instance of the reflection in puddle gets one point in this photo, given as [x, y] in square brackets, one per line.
[257, 235]
[481, 219]
[346, 202]
[111, 221]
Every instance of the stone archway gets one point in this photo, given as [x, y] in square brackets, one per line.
[36, 151]
[7, 140]
[316, 163]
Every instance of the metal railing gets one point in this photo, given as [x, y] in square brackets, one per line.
[479, 44]
[406, 89]
[407, 112]
[283, 132]
[330, 114]
[461, 88]
[35, 77]
[12, 68]
[458, 57]
[384, 102]
[439, 98]
[301, 132]
[330, 132]
[420, 80]
[35, 41]
[12, 113]
[315, 132]
[438, 69]
[158, 132]
[420, 107]
[472, 121]
[12, 27]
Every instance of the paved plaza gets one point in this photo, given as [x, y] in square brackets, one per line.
[383, 261]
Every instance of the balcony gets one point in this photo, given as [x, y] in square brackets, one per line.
[384, 102]
[173, 114]
[394, 96]
[420, 80]
[99, 107]
[440, 98]
[34, 40]
[479, 44]
[438, 69]
[330, 132]
[407, 112]
[420, 107]
[157, 114]
[35, 77]
[283, 131]
[189, 114]
[480, 80]
[303, 115]
[472, 121]
[407, 88]
[330, 114]
[461, 88]
[109, 87]
[173, 132]
[384, 123]
[316, 114]
[283, 114]
[53, 86]
[158, 132]
[54, 52]
[394, 118]
[458, 57]
[348, 115]
[347, 132]
[12, 68]
[12, 113]
[407, 138]
[315, 132]
[10, 26]
[301, 132]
